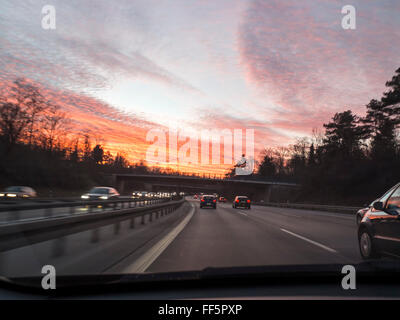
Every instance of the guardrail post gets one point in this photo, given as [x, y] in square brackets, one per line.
[132, 224]
[143, 219]
[117, 226]
[48, 212]
[13, 216]
[151, 216]
[95, 236]
[58, 247]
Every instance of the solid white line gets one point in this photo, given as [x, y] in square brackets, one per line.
[391, 254]
[310, 241]
[141, 264]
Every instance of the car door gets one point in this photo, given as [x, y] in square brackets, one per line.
[388, 228]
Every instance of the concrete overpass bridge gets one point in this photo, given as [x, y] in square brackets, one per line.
[228, 187]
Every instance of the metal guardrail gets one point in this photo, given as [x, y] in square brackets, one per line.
[110, 209]
[319, 207]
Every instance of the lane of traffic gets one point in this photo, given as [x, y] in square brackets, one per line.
[232, 237]
[333, 230]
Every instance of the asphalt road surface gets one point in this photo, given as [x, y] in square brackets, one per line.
[193, 239]
[261, 236]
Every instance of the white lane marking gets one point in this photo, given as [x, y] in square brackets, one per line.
[345, 216]
[391, 254]
[310, 241]
[245, 214]
[143, 262]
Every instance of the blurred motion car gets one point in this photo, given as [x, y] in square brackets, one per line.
[136, 194]
[208, 201]
[379, 230]
[101, 193]
[241, 201]
[222, 199]
[18, 192]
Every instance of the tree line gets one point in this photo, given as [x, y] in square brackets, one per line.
[353, 161]
[40, 146]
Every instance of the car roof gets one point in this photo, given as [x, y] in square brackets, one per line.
[19, 187]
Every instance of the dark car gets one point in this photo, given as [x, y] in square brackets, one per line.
[241, 201]
[208, 201]
[17, 192]
[101, 193]
[360, 213]
[379, 230]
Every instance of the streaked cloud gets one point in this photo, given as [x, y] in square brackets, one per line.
[280, 67]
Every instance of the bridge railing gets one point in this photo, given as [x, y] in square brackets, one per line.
[14, 235]
[44, 210]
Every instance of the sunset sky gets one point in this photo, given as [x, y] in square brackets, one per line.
[122, 67]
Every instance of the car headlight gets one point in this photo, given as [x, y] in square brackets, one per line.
[2, 194]
[104, 197]
[11, 195]
[85, 197]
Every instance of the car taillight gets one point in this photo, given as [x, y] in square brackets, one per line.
[237, 201]
[248, 201]
[202, 200]
[214, 200]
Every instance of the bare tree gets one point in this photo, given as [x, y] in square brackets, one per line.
[13, 121]
[55, 126]
[31, 101]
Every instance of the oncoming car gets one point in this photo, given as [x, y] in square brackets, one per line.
[18, 192]
[241, 201]
[379, 230]
[208, 201]
[101, 193]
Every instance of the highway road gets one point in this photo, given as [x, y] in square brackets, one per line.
[261, 236]
[193, 239]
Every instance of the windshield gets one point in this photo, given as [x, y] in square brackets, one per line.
[289, 109]
[99, 191]
[14, 189]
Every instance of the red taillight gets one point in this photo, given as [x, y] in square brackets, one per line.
[202, 200]
[214, 200]
[237, 201]
[248, 201]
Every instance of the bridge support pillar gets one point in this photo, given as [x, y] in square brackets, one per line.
[121, 186]
[267, 194]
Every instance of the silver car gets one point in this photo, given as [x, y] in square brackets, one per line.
[18, 192]
[101, 193]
